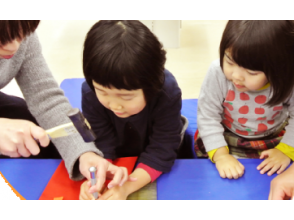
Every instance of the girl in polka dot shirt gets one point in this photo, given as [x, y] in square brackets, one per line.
[246, 101]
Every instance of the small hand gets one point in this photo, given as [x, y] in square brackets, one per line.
[84, 191]
[115, 193]
[275, 161]
[18, 138]
[229, 167]
[119, 175]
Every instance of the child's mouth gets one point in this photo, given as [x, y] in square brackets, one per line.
[239, 86]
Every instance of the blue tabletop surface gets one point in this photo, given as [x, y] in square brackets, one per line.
[198, 179]
[188, 179]
[29, 176]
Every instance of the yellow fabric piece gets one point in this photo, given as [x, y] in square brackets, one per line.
[212, 152]
[286, 149]
[264, 87]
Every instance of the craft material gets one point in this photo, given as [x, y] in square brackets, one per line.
[93, 179]
[78, 125]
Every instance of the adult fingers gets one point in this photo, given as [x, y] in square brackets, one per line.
[9, 149]
[120, 176]
[23, 151]
[101, 177]
[39, 134]
[31, 145]
[276, 193]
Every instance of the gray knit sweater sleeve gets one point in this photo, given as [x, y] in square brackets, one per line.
[47, 102]
[209, 114]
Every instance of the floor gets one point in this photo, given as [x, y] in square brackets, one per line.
[62, 43]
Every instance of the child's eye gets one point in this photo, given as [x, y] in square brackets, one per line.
[253, 73]
[230, 63]
[127, 98]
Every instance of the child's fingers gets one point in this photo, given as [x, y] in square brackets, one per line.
[240, 170]
[282, 168]
[228, 174]
[262, 164]
[222, 173]
[274, 169]
[84, 194]
[266, 168]
[106, 195]
[263, 154]
[234, 173]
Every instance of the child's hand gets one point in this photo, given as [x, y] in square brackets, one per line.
[84, 191]
[275, 161]
[229, 167]
[115, 193]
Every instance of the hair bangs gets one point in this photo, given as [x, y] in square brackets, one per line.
[16, 29]
[117, 69]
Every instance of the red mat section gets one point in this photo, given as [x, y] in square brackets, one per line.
[61, 186]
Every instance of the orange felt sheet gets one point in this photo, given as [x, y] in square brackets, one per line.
[62, 187]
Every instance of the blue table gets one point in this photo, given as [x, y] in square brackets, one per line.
[188, 179]
[198, 179]
[29, 176]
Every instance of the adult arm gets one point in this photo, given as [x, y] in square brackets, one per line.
[47, 103]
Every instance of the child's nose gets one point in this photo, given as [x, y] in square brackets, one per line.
[238, 74]
[11, 46]
[115, 106]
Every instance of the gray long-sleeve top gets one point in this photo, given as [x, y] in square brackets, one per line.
[244, 113]
[45, 99]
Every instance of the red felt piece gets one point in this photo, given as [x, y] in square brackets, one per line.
[60, 185]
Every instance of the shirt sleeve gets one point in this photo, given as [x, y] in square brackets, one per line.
[100, 122]
[47, 103]
[154, 174]
[212, 152]
[165, 138]
[212, 95]
[286, 149]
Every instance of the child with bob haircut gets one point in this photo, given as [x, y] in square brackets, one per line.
[247, 101]
[131, 102]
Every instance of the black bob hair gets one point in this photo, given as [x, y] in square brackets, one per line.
[125, 55]
[266, 46]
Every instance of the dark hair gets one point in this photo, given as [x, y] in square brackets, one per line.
[11, 30]
[125, 55]
[266, 46]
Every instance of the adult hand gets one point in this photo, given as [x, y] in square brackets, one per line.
[275, 161]
[282, 186]
[18, 138]
[105, 170]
